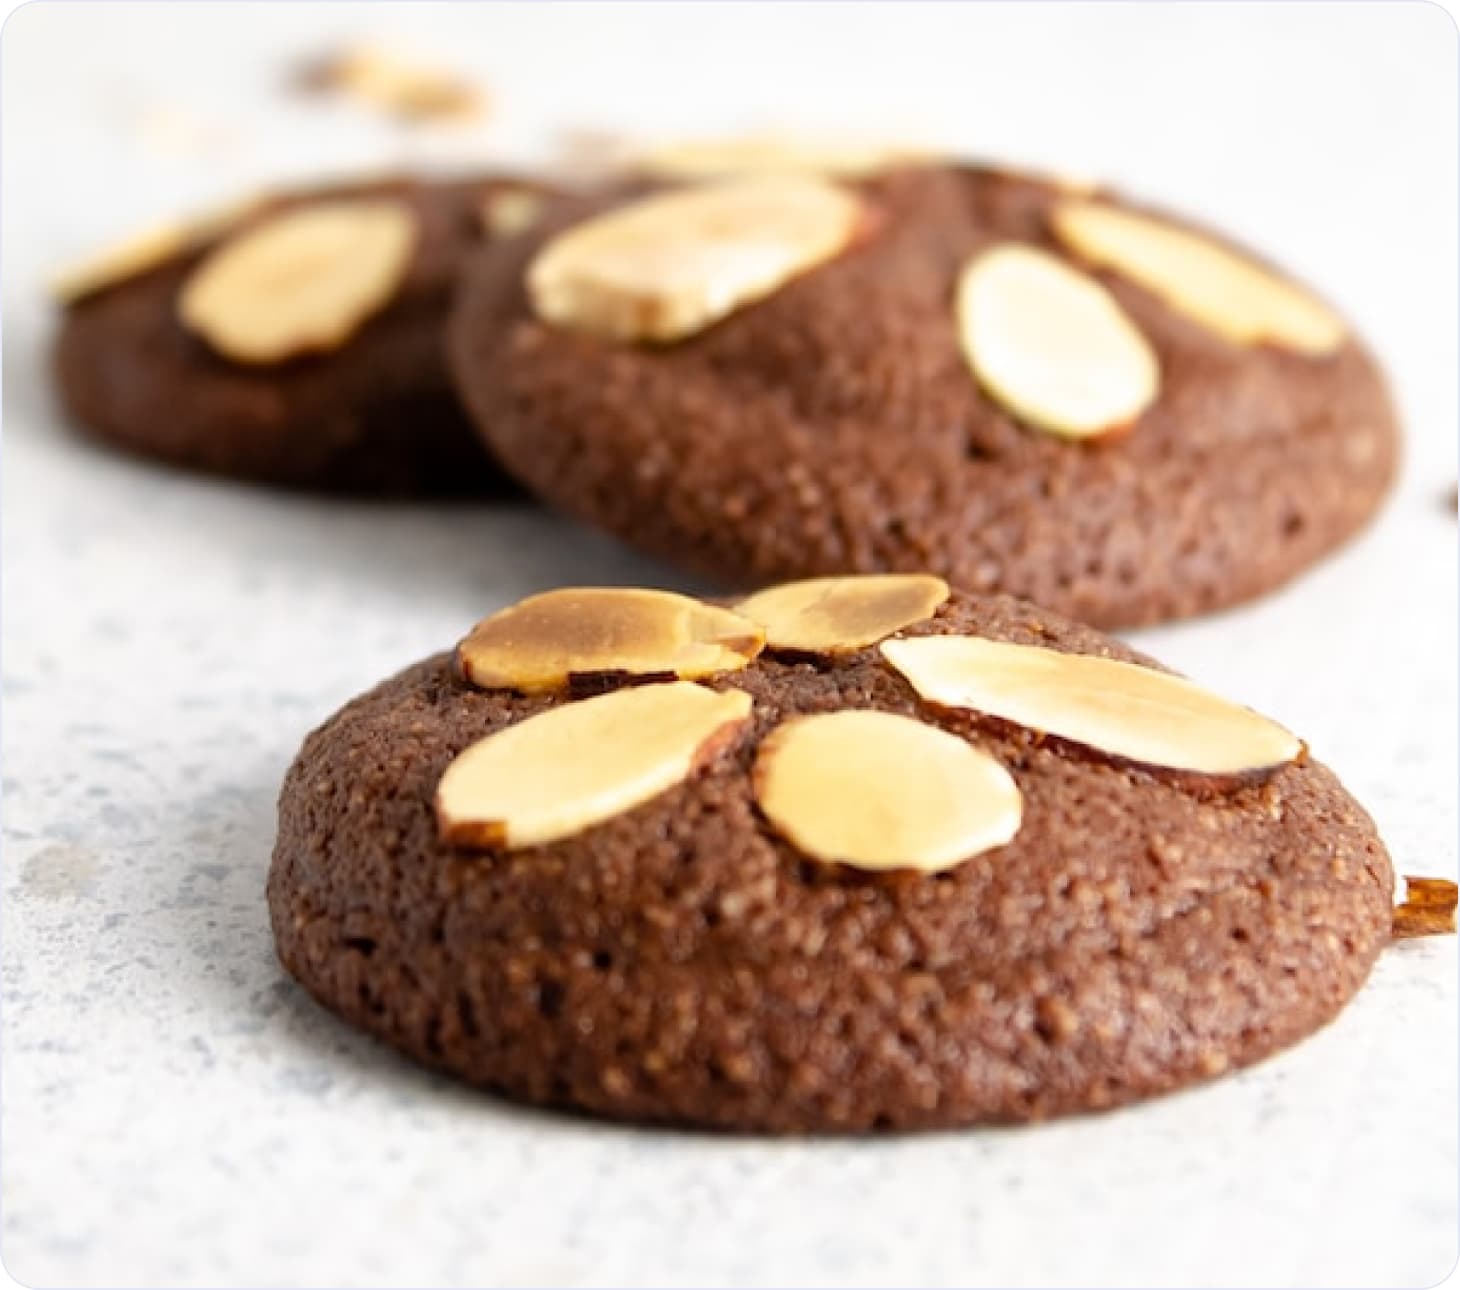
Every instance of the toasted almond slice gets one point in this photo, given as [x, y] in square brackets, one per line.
[303, 281]
[1215, 286]
[879, 791]
[772, 153]
[574, 633]
[1126, 711]
[1051, 344]
[841, 615]
[565, 770]
[667, 266]
[509, 211]
[142, 252]
[384, 80]
[1428, 908]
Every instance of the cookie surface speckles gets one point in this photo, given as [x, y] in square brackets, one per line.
[375, 414]
[684, 962]
[835, 427]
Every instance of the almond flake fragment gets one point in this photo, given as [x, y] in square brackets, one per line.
[509, 211]
[1126, 711]
[667, 266]
[1428, 908]
[842, 615]
[879, 791]
[548, 641]
[301, 282]
[1051, 344]
[1219, 288]
[562, 771]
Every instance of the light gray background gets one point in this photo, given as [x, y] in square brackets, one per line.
[175, 1113]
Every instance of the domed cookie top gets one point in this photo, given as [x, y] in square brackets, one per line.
[860, 853]
[294, 339]
[1022, 386]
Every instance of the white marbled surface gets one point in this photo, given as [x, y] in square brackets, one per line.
[176, 1113]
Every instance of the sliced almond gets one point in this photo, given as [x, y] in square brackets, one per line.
[667, 266]
[1129, 712]
[142, 252]
[547, 642]
[383, 80]
[302, 282]
[879, 791]
[1214, 286]
[567, 769]
[771, 153]
[1051, 344]
[509, 211]
[841, 615]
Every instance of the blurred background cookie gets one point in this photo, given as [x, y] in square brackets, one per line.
[295, 340]
[1023, 384]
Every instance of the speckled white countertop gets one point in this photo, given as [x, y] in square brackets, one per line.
[176, 1113]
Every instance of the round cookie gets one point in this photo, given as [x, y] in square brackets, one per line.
[642, 896]
[881, 407]
[355, 397]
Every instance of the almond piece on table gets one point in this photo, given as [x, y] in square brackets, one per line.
[302, 282]
[547, 641]
[562, 771]
[1222, 290]
[670, 265]
[841, 615]
[1124, 710]
[879, 791]
[1051, 344]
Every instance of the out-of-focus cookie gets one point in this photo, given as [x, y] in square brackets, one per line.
[295, 340]
[1024, 385]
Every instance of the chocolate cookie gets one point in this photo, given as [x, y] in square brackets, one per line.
[856, 854]
[1023, 387]
[295, 341]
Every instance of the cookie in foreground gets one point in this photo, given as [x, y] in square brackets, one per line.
[847, 855]
[293, 340]
[1023, 386]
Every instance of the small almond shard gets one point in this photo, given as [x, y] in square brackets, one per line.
[878, 791]
[302, 282]
[1428, 908]
[549, 641]
[1051, 344]
[1124, 710]
[842, 615]
[509, 211]
[1212, 285]
[561, 772]
[665, 267]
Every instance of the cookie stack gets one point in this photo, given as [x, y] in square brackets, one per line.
[895, 842]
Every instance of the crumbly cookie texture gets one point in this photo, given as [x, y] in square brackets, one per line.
[797, 896]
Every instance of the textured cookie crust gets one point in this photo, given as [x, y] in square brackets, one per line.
[683, 963]
[835, 427]
[377, 415]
